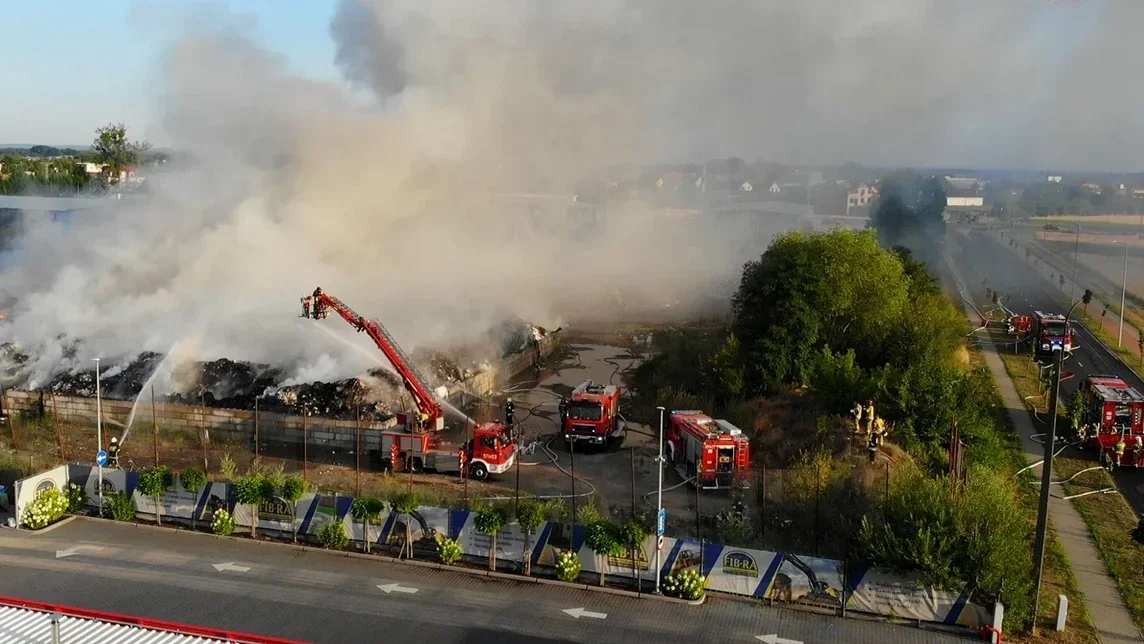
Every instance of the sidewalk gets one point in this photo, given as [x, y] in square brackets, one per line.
[1113, 622]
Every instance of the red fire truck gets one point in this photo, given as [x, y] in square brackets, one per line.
[415, 443]
[1051, 333]
[713, 453]
[592, 415]
[1117, 412]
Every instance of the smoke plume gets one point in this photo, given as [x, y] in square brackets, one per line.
[382, 189]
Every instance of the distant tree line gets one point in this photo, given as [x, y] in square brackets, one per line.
[49, 171]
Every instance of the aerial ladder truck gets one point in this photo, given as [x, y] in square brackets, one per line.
[415, 443]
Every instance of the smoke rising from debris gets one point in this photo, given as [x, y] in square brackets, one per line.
[382, 195]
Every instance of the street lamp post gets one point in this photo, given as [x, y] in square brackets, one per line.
[1047, 463]
[659, 498]
[1076, 252]
[99, 434]
[1123, 289]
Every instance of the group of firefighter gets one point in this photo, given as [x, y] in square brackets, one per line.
[1086, 433]
[870, 426]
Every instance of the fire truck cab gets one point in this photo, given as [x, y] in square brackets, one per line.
[1117, 412]
[490, 451]
[592, 415]
[1051, 333]
[713, 453]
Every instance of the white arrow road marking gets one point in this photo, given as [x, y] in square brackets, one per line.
[775, 639]
[580, 612]
[230, 566]
[75, 550]
[395, 588]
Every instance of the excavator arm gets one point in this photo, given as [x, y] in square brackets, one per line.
[317, 306]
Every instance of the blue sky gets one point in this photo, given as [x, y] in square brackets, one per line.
[73, 65]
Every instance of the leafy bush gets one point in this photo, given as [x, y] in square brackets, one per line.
[222, 523]
[490, 520]
[48, 507]
[76, 496]
[120, 506]
[193, 479]
[529, 516]
[448, 550]
[366, 510]
[973, 536]
[605, 539]
[687, 584]
[567, 566]
[333, 535]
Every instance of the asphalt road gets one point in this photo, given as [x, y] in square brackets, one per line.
[320, 597]
[1009, 274]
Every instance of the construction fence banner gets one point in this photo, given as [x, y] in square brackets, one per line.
[511, 542]
[904, 596]
[27, 489]
[114, 481]
[277, 515]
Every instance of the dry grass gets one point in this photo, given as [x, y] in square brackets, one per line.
[1109, 518]
[1111, 521]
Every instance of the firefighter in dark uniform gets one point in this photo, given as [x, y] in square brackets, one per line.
[113, 453]
[509, 412]
[872, 446]
[563, 410]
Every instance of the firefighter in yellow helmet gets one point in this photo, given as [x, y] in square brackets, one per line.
[857, 414]
[869, 416]
[879, 430]
[1120, 451]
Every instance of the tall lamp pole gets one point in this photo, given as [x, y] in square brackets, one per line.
[1047, 463]
[1123, 289]
[659, 498]
[99, 433]
[1076, 252]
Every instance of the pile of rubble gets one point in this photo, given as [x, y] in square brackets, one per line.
[242, 385]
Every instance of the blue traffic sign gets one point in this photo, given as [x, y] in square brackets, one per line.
[661, 522]
[101, 458]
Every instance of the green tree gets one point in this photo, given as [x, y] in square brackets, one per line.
[1140, 345]
[921, 281]
[632, 535]
[836, 289]
[291, 490]
[366, 510]
[153, 482]
[255, 490]
[530, 516]
[490, 520]
[724, 371]
[193, 479]
[112, 148]
[406, 504]
[604, 538]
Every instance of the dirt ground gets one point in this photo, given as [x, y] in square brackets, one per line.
[606, 475]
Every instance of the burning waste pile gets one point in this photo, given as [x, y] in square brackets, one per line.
[226, 383]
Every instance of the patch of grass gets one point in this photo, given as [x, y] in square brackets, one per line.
[1111, 521]
[1108, 516]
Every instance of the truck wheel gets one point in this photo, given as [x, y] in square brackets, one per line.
[478, 472]
[415, 464]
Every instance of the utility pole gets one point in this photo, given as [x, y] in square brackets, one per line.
[1076, 252]
[99, 434]
[1047, 463]
[154, 426]
[1123, 289]
[572, 457]
[659, 493]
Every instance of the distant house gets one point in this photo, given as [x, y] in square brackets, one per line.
[964, 199]
[1053, 178]
[91, 168]
[1094, 188]
[746, 187]
[862, 196]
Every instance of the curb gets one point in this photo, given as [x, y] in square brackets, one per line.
[403, 562]
[62, 522]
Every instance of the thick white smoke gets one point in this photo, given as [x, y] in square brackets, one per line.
[387, 202]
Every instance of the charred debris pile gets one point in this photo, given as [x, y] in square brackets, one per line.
[230, 384]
